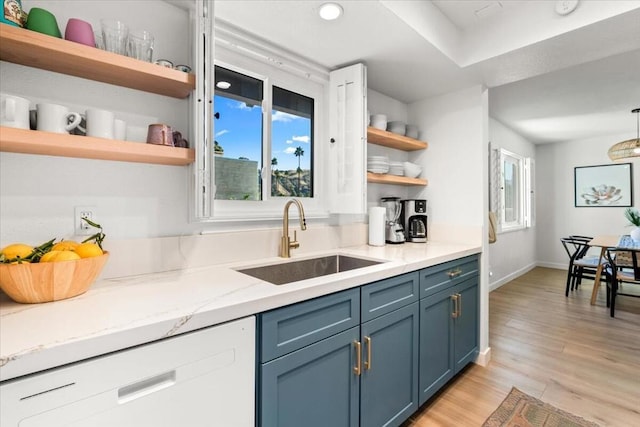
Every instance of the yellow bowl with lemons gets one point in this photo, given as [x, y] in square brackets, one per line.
[67, 270]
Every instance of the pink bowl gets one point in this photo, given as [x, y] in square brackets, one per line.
[80, 31]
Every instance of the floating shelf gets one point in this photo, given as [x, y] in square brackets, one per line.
[393, 140]
[37, 50]
[380, 178]
[65, 145]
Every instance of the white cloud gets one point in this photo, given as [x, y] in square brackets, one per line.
[243, 106]
[222, 132]
[304, 139]
[290, 150]
[288, 141]
[279, 116]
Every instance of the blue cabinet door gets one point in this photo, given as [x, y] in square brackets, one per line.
[465, 342]
[389, 380]
[314, 386]
[436, 343]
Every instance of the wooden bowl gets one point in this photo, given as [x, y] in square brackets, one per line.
[50, 281]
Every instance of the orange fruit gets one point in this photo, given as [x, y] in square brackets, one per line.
[58, 256]
[17, 250]
[65, 245]
[88, 250]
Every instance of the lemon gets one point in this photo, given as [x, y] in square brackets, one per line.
[88, 250]
[17, 250]
[57, 256]
[65, 245]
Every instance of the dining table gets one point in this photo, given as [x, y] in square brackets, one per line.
[605, 242]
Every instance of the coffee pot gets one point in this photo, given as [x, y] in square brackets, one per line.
[414, 220]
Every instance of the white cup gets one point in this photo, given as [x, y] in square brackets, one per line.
[100, 123]
[56, 118]
[14, 111]
[120, 130]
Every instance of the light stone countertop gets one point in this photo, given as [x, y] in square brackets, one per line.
[124, 312]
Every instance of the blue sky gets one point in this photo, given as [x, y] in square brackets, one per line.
[239, 131]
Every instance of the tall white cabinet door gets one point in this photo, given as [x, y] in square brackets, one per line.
[348, 146]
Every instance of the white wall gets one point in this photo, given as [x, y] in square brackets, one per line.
[514, 252]
[453, 162]
[556, 214]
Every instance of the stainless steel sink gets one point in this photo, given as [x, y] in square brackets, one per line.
[288, 272]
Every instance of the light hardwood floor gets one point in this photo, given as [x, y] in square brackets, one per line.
[561, 350]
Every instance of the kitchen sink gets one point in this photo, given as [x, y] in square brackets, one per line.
[293, 271]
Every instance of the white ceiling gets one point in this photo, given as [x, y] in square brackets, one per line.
[551, 77]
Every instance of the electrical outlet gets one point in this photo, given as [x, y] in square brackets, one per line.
[82, 228]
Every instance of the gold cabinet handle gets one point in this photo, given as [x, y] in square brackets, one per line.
[454, 298]
[367, 363]
[459, 309]
[455, 273]
[357, 368]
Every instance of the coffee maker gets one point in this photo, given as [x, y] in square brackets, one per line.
[414, 220]
[393, 227]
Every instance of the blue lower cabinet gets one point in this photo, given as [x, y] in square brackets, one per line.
[313, 387]
[389, 380]
[436, 343]
[466, 324]
[448, 335]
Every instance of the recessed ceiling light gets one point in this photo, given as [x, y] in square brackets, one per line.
[223, 85]
[330, 11]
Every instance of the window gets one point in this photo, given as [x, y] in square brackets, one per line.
[291, 144]
[516, 193]
[257, 159]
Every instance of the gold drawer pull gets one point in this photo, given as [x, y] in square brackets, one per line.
[455, 273]
[454, 298]
[367, 363]
[357, 368]
[459, 299]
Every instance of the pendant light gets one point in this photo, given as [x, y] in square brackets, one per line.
[629, 148]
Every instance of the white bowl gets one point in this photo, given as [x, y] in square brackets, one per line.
[397, 127]
[412, 170]
[412, 131]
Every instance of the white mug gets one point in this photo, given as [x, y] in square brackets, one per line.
[100, 123]
[120, 130]
[14, 111]
[56, 118]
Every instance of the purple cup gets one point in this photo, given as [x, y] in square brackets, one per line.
[80, 31]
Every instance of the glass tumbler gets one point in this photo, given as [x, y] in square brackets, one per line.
[114, 36]
[140, 45]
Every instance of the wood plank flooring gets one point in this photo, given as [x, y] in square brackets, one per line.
[561, 350]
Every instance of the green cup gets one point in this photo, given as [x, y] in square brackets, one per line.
[43, 21]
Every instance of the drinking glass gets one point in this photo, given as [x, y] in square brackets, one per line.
[114, 36]
[140, 45]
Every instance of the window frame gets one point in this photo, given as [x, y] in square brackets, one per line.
[523, 192]
[270, 207]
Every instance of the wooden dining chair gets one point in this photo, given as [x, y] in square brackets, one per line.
[581, 265]
[623, 277]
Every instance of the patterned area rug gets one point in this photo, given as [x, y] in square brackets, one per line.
[521, 410]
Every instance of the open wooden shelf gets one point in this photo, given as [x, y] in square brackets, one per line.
[393, 140]
[380, 178]
[37, 50]
[57, 144]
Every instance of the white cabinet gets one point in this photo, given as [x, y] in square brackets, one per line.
[202, 378]
[348, 148]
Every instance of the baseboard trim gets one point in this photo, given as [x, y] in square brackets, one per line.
[552, 265]
[495, 285]
[484, 357]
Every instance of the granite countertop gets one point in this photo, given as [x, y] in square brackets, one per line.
[124, 312]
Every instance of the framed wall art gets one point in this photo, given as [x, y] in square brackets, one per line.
[603, 185]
